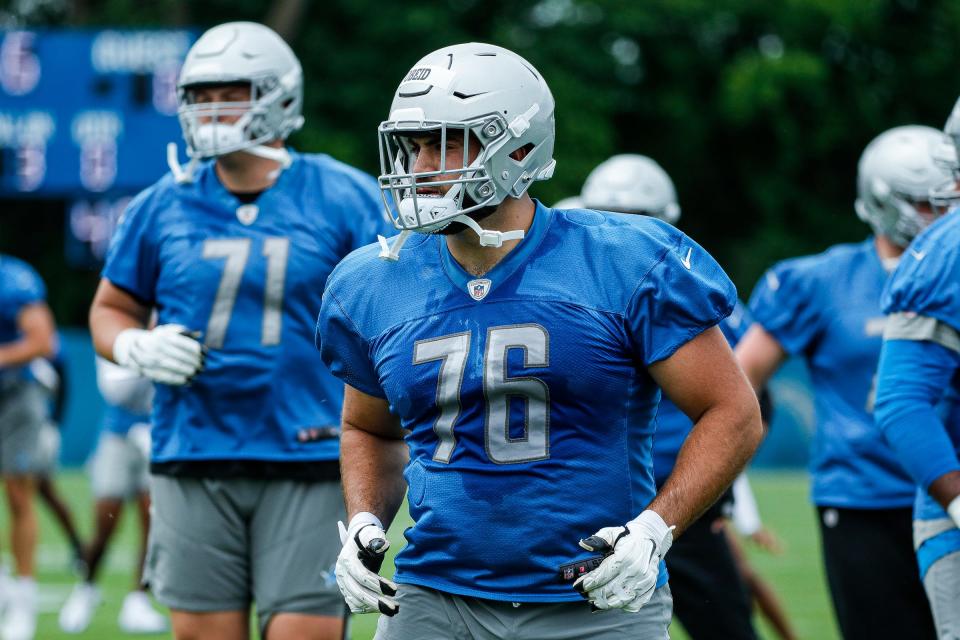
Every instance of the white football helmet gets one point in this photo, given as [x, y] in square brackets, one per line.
[240, 52]
[482, 94]
[631, 183]
[947, 154]
[896, 173]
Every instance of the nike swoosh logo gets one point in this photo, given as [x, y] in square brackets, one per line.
[686, 260]
[919, 255]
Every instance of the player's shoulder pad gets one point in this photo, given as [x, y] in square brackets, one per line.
[811, 272]
[927, 280]
[363, 283]
[19, 275]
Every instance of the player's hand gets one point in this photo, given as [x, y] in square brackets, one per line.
[167, 354]
[628, 576]
[358, 565]
[767, 540]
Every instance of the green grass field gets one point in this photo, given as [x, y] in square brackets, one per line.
[796, 575]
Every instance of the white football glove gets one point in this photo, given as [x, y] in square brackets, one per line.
[165, 354]
[364, 545]
[953, 510]
[627, 577]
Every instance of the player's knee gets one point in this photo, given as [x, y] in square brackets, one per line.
[20, 496]
[301, 626]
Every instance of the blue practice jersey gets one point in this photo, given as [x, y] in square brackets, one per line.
[918, 393]
[20, 286]
[118, 420]
[526, 393]
[826, 308]
[673, 425]
[248, 280]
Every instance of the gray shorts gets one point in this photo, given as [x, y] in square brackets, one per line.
[118, 469]
[426, 614]
[220, 545]
[48, 449]
[942, 580]
[22, 413]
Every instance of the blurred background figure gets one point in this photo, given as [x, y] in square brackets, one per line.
[27, 332]
[918, 389]
[51, 375]
[826, 308]
[118, 475]
[710, 595]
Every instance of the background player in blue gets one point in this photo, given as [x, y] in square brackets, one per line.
[234, 255]
[27, 332]
[918, 398]
[709, 597]
[118, 474]
[826, 308]
[525, 375]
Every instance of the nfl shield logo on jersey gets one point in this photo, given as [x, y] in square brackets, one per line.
[478, 289]
[247, 214]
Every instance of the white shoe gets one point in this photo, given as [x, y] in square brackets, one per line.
[77, 611]
[20, 622]
[138, 615]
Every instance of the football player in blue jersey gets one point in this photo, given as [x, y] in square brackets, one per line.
[233, 253]
[709, 596]
[826, 309]
[27, 331]
[918, 397]
[507, 362]
[118, 474]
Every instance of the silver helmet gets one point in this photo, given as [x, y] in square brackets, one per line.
[896, 173]
[241, 52]
[482, 94]
[631, 183]
[945, 196]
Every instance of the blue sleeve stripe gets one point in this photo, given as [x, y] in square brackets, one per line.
[937, 548]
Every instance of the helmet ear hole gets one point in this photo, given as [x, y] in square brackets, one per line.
[520, 153]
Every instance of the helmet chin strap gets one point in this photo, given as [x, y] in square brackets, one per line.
[183, 174]
[489, 238]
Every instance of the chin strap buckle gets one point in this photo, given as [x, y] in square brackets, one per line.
[182, 175]
[392, 254]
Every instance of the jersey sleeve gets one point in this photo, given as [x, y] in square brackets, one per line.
[23, 288]
[927, 280]
[131, 262]
[682, 295]
[343, 349]
[912, 376]
[27, 288]
[783, 304]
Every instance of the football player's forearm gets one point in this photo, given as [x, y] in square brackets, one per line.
[21, 352]
[106, 323]
[719, 446]
[371, 469]
[946, 488]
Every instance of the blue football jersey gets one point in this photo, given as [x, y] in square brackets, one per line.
[20, 286]
[673, 425]
[525, 392]
[248, 279]
[925, 287]
[118, 420]
[826, 309]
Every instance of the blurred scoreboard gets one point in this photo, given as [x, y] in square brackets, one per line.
[87, 112]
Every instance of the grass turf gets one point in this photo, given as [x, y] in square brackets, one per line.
[796, 575]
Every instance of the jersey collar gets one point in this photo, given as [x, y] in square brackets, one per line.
[480, 287]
